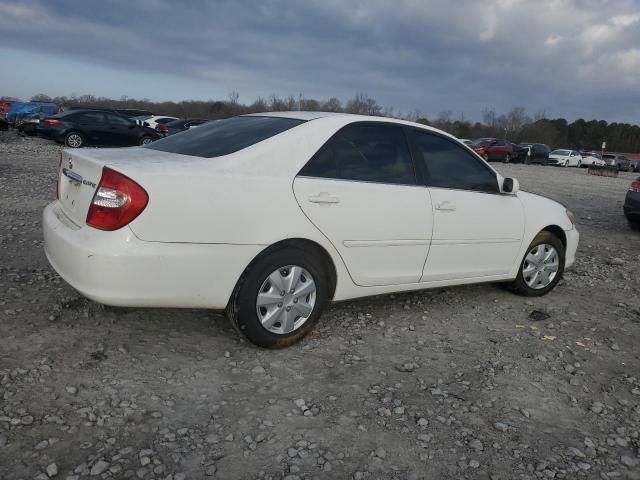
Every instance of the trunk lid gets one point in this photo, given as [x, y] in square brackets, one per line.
[81, 171]
[78, 179]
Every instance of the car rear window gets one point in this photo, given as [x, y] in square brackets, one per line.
[222, 137]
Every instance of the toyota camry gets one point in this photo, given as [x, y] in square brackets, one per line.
[270, 216]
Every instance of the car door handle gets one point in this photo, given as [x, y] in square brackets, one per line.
[445, 207]
[324, 197]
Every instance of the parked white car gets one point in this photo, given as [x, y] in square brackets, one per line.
[565, 158]
[270, 216]
[154, 120]
[592, 158]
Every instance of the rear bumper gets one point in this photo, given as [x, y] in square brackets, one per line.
[116, 268]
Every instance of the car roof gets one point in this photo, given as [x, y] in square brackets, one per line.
[299, 115]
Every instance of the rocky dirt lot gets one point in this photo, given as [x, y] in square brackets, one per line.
[457, 383]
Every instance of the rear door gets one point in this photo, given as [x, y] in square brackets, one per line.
[477, 231]
[122, 131]
[94, 127]
[361, 191]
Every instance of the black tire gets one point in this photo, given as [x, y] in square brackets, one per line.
[634, 224]
[527, 160]
[520, 287]
[242, 307]
[74, 140]
[146, 140]
[507, 158]
[486, 157]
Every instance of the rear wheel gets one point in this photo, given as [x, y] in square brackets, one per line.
[280, 298]
[146, 140]
[486, 157]
[542, 266]
[507, 158]
[579, 163]
[74, 140]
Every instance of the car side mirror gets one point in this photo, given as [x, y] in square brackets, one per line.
[510, 185]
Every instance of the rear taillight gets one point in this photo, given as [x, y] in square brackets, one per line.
[51, 122]
[163, 129]
[635, 186]
[58, 178]
[117, 202]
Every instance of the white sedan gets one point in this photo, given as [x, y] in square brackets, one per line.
[565, 158]
[154, 121]
[270, 216]
[592, 158]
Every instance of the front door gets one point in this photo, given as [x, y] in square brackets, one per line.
[360, 190]
[477, 231]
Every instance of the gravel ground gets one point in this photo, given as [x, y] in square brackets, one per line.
[452, 383]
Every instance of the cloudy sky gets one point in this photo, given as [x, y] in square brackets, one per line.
[571, 58]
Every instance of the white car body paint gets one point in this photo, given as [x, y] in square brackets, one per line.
[152, 121]
[588, 160]
[208, 218]
[570, 159]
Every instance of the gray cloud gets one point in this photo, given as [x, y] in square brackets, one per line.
[572, 58]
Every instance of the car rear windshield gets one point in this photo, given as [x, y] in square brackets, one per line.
[560, 152]
[222, 137]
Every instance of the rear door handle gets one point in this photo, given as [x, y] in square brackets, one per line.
[445, 207]
[324, 197]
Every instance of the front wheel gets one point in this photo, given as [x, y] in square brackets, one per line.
[74, 140]
[507, 158]
[486, 157]
[145, 141]
[579, 164]
[279, 300]
[542, 266]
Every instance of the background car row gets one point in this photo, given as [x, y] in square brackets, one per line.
[83, 126]
[492, 149]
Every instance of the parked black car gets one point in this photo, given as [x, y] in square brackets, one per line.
[619, 161]
[520, 152]
[632, 204]
[536, 153]
[78, 128]
[127, 112]
[133, 112]
[179, 125]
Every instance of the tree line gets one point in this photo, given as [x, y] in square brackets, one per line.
[515, 125]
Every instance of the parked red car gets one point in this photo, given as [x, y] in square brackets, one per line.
[493, 149]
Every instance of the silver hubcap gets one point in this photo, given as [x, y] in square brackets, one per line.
[541, 266]
[74, 140]
[286, 299]
[146, 141]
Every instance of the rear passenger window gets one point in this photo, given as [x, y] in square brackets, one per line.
[91, 117]
[450, 165]
[365, 153]
[223, 137]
